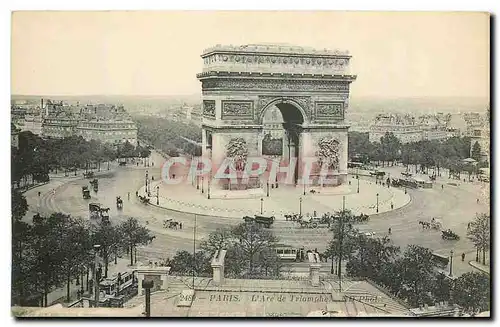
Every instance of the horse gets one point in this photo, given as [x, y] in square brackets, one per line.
[425, 224]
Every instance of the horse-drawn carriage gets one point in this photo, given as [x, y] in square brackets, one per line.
[88, 174]
[98, 212]
[144, 199]
[119, 203]
[435, 223]
[85, 192]
[449, 235]
[172, 224]
[260, 220]
[294, 217]
[313, 222]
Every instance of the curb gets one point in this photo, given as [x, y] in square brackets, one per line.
[472, 264]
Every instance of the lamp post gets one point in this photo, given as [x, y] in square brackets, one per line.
[357, 177]
[202, 183]
[146, 185]
[197, 182]
[261, 205]
[451, 263]
[377, 202]
[147, 285]
[304, 188]
[158, 195]
[208, 186]
[96, 278]
[268, 189]
[300, 206]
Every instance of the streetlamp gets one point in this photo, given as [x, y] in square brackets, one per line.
[146, 185]
[202, 183]
[268, 189]
[451, 263]
[357, 177]
[96, 279]
[300, 206]
[261, 205]
[158, 195]
[304, 188]
[208, 186]
[377, 202]
[147, 285]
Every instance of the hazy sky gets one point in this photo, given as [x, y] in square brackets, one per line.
[158, 53]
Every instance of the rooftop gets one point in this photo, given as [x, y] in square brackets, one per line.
[275, 48]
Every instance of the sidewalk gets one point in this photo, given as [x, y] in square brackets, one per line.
[479, 266]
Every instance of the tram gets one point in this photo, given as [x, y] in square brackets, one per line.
[286, 252]
[118, 284]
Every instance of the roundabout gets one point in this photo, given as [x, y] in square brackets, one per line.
[371, 199]
[455, 205]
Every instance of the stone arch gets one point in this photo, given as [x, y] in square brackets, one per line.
[279, 102]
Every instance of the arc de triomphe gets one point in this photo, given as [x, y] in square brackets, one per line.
[310, 87]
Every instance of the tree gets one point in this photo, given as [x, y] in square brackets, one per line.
[472, 292]
[371, 258]
[391, 147]
[110, 239]
[479, 233]
[75, 249]
[412, 276]
[221, 239]
[441, 288]
[344, 241]
[476, 152]
[19, 205]
[251, 242]
[184, 263]
[134, 234]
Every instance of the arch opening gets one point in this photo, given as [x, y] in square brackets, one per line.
[290, 120]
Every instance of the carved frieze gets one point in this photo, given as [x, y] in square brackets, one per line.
[334, 63]
[329, 110]
[271, 84]
[209, 108]
[239, 109]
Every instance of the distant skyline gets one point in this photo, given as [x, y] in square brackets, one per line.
[158, 53]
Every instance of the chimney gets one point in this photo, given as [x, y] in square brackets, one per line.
[218, 266]
[314, 267]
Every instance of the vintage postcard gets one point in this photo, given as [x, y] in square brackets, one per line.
[250, 164]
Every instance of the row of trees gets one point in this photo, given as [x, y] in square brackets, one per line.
[447, 153]
[36, 157]
[169, 136]
[55, 250]
[250, 254]
[410, 275]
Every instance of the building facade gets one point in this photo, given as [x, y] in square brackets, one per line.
[108, 131]
[409, 129]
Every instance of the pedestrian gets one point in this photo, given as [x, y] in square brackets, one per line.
[468, 226]
[477, 200]
[392, 205]
[463, 256]
[180, 225]
[390, 231]
[128, 194]
[442, 186]
[39, 193]
[136, 193]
